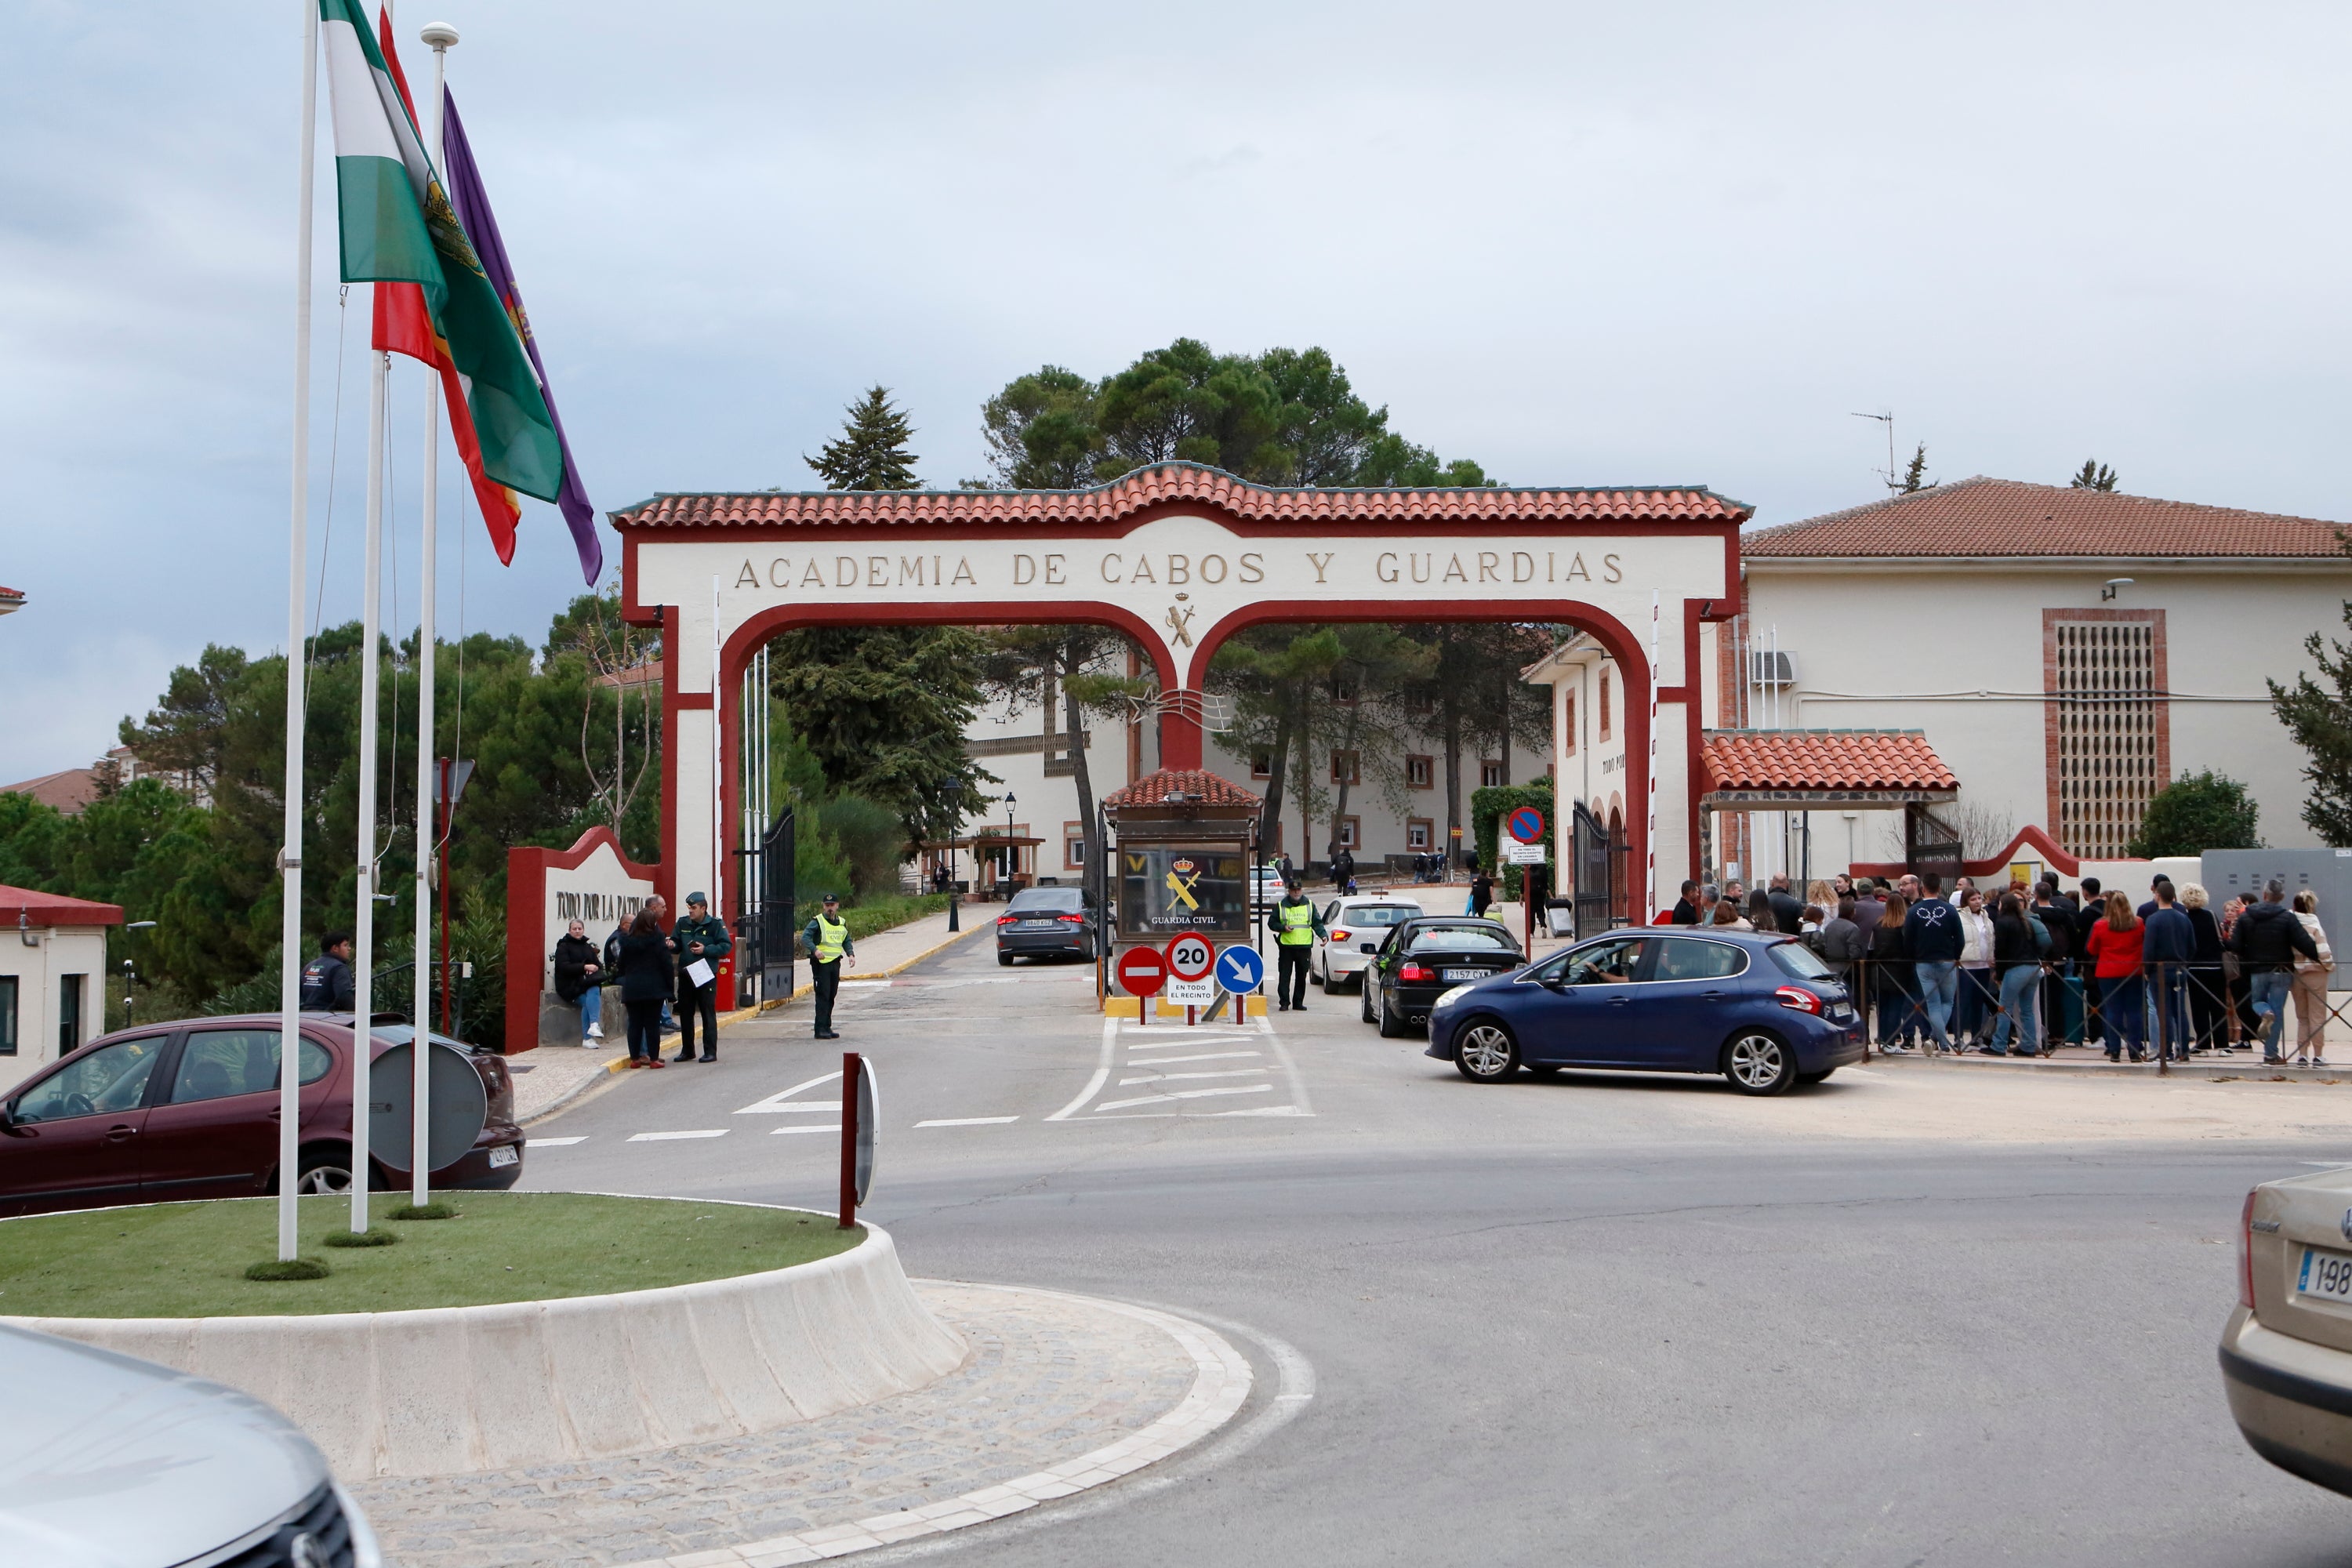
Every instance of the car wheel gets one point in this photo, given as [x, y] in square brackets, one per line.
[1368, 1004]
[1758, 1063]
[1483, 1052]
[1004, 961]
[324, 1172]
[1392, 1027]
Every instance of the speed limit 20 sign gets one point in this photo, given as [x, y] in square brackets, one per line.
[1191, 958]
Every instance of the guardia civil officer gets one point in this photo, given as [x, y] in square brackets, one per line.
[698, 936]
[1295, 925]
[827, 940]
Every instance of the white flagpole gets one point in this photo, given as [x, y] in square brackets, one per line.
[1650, 842]
[438, 36]
[290, 854]
[363, 923]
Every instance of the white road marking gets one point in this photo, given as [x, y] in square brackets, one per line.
[1263, 1111]
[1102, 1073]
[1298, 1083]
[1172, 1076]
[779, 1131]
[1135, 1061]
[665, 1137]
[1184, 1094]
[970, 1121]
[845, 984]
[553, 1142]
[782, 1103]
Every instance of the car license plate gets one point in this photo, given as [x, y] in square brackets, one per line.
[2327, 1275]
[1463, 974]
[1036, 925]
[1840, 1014]
[505, 1154]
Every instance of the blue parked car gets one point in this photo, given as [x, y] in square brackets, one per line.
[1756, 1006]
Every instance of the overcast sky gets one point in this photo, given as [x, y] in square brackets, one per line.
[1582, 243]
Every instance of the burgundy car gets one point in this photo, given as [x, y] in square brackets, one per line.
[189, 1110]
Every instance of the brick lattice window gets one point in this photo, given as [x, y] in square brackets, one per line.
[1603, 712]
[2108, 730]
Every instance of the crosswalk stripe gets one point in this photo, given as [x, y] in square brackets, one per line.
[1135, 1061]
[553, 1142]
[1184, 1094]
[969, 1121]
[779, 1131]
[782, 1103]
[1172, 1076]
[665, 1137]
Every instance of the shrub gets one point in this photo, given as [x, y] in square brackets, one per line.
[2194, 812]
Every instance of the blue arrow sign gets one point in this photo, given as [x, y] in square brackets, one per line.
[1239, 971]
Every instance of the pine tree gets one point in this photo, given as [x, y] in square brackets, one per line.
[2093, 475]
[1915, 476]
[2320, 719]
[872, 453]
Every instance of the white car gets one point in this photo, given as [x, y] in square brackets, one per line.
[1354, 929]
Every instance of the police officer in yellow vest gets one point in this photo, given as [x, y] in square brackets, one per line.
[827, 940]
[1295, 925]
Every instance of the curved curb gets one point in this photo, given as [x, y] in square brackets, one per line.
[449, 1390]
[1221, 1385]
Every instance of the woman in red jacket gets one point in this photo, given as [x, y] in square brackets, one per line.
[2114, 950]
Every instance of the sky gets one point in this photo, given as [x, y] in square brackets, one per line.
[1582, 244]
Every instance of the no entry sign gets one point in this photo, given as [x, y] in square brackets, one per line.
[1527, 825]
[1189, 957]
[1142, 971]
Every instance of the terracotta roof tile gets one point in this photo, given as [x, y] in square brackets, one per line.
[2006, 517]
[55, 909]
[1197, 785]
[1821, 758]
[1167, 482]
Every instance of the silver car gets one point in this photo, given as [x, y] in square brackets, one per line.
[2286, 1355]
[110, 1462]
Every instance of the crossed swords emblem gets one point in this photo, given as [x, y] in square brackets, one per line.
[1182, 887]
[1180, 620]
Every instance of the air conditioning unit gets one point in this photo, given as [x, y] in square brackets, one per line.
[1771, 668]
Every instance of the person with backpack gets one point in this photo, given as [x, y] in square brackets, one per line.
[2268, 939]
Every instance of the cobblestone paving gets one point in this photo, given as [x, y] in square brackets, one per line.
[1050, 1378]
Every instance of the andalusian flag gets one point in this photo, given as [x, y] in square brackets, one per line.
[398, 228]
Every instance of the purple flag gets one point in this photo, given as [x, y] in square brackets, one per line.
[473, 205]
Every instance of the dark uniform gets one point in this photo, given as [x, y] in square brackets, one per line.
[1295, 925]
[326, 985]
[699, 1000]
[827, 937]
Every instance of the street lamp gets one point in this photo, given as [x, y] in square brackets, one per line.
[1011, 855]
[951, 790]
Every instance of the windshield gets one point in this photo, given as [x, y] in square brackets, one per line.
[1796, 958]
[1052, 900]
[1461, 938]
[1379, 914]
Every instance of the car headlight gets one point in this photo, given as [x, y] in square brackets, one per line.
[1450, 998]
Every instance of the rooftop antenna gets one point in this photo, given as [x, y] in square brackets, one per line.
[1886, 419]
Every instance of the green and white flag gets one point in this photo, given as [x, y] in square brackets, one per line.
[397, 227]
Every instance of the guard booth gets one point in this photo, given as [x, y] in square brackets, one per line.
[1182, 842]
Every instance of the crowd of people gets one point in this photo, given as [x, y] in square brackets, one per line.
[667, 975]
[2031, 967]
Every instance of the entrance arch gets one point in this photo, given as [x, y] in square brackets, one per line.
[1178, 557]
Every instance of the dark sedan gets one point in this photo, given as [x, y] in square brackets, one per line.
[1756, 1007]
[189, 1110]
[1047, 922]
[1422, 959]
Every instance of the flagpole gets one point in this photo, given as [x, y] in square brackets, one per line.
[438, 36]
[1650, 840]
[363, 923]
[290, 854]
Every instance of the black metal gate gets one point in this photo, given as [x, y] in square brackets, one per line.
[764, 932]
[1597, 868]
[1931, 845]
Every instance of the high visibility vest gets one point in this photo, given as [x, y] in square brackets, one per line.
[830, 935]
[1297, 922]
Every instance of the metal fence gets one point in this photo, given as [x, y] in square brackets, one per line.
[2164, 1013]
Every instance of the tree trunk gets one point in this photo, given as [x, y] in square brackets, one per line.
[1088, 824]
[1269, 822]
[1347, 738]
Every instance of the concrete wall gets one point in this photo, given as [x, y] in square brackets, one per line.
[40, 971]
[478, 1388]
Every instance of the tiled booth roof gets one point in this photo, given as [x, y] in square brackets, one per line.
[1826, 762]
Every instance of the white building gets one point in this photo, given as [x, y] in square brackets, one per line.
[52, 978]
[2058, 654]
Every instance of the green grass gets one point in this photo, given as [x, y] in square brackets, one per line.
[188, 1260]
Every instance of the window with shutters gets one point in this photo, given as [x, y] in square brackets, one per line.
[2108, 723]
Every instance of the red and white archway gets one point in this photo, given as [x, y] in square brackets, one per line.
[1179, 558]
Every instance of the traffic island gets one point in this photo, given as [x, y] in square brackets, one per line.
[529, 1328]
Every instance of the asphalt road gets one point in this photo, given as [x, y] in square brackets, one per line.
[1893, 1319]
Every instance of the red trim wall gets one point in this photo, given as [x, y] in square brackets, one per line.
[527, 870]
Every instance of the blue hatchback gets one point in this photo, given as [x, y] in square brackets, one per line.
[1757, 1008]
